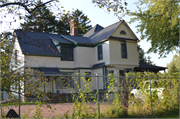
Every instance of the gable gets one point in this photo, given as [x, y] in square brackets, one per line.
[126, 28]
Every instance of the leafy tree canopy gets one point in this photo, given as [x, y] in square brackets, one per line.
[159, 24]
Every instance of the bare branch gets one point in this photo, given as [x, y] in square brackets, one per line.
[25, 6]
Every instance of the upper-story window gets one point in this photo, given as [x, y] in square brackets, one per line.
[67, 53]
[123, 50]
[100, 52]
[122, 32]
[15, 54]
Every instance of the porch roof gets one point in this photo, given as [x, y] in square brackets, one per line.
[47, 70]
[99, 65]
[146, 67]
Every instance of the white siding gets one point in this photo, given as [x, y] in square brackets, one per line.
[115, 53]
[44, 61]
[100, 73]
[84, 56]
[106, 54]
[20, 55]
[124, 27]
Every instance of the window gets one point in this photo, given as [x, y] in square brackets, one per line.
[111, 71]
[122, 32]
[121, 73]
[123, 50]
[128, 70]
[67, 53]
[65, 81]
[15, 56]
[100, 53]
[87, 77]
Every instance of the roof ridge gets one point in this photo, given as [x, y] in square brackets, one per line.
[115, 23]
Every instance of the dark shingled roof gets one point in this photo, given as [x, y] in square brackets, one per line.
[98, 65]
[47, 70]
[104, 33]
[96, 28]
[59, 39]
[146, 67]
[79, 39]
[36, 43]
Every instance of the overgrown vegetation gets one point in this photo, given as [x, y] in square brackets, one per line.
[117, 101]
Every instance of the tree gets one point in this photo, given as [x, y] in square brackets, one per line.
[83, 21]
[42, 20]
[174, 66]
[28, 5]
[143, 58]
[118, 7]
[159, 24]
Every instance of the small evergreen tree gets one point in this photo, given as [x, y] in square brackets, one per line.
[174, 66]
[143, 58]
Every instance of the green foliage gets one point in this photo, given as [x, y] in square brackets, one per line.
[43, 20]
[83, 21]
[143, 58]
[174, 66]
[118, 7]
[159, 24]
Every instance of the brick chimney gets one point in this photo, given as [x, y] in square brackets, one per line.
[74, 27]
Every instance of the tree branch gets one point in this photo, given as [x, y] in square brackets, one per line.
[41, 5]
[25, 6]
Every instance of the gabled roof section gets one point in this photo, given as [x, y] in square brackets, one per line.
[59, 39]
[104, 33]
[35, 43]
[95, 29]
[79, 39]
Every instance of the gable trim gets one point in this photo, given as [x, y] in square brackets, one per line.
[31, 54]
[122, 39]
[69, 39]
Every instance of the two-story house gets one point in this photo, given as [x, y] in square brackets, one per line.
[101, 51]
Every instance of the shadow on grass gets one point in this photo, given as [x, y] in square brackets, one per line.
[173, 113]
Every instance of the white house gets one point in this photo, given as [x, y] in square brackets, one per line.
[101, 51]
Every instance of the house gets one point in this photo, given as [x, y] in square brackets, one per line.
[101, 51]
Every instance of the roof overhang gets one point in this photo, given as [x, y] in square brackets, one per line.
[147, 67]
[50, 71]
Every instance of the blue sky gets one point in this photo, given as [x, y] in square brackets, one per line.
[103, 18]
[97, 16]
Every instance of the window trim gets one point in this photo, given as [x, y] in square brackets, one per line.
[67, 53]
[124, 50]
[122, 32]
[101, 52]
